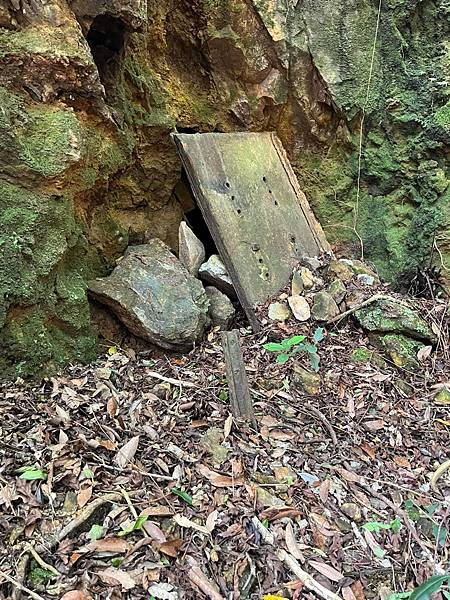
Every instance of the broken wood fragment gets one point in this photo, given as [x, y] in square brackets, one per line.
[239, 391]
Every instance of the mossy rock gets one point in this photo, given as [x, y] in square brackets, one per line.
[391, 315]
[400, 349]
[365, 356]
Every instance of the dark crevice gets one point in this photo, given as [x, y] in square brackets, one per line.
[106, 38]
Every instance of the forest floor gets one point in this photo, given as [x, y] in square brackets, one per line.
[130, 479]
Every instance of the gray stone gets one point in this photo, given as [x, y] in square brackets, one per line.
[213, 271]
[324, 307]
[221, 309]
[297, 286]
[366, 279]
[307, 277]
[155, 297]
[279, 312]
[306, 380]
[338, 290]
[341, 269]
[312, 262]
[300, 308]
[191, 250]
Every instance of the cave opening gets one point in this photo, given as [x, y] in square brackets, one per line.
[106, 39]
[193, 215]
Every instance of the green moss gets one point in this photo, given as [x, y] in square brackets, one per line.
[39, 40]
[442, 116]
[400, 349]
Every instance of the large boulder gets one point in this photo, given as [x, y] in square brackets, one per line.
[388, 315]
[155, 297]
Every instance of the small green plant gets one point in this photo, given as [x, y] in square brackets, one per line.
[30, 473]
[287, 348]
[376, 526]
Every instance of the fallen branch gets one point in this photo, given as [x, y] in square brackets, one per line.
[438, 474]
[56, 537]
[20, 586]
[316, 412]
[41, 561]
[357, 307]
[307, 580]
[170, 379]
[199, 579]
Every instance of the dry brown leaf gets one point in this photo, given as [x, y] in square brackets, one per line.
[324, 490]
[112, 406]
[218, 480]
[348, 594]
[291, 543]
[114, 576]
[401, 461]
[330, 572]
[374, 425]
[157, 511]
[347, 475]
[111, 544]
[171, 548]
[76, 595]
[279, 512]
[154, 531]
[358, 590]
[127, 452]
[368, 449]
[211, 521]
[84, 495]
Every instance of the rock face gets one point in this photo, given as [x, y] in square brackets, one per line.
[155, 297]
[324, 307]
[90, 91]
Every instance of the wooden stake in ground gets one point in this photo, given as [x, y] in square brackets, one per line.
[241, 402]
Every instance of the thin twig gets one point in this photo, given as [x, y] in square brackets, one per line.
[41, 561]
[133, 511]
[21, 587]
[307, 580]
[370, 300]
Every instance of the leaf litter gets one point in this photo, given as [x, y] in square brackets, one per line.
[106, 479]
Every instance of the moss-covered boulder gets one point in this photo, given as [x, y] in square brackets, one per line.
[401, 350]
[394, 316]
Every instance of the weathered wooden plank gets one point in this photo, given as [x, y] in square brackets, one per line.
[239, 392]
[251, 201]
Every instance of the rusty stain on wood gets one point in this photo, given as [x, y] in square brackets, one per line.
[255, 210]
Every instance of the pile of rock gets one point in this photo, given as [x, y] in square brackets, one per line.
[323, 288]
[160, 298]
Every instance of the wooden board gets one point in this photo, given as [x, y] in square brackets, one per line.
[258, 217]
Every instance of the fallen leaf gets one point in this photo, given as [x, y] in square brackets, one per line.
[279, 512]
[112, 406]
[75, 595]
[347, 593]
[83, 496]
[374, 425]
[211, 521]
[291, 543]
[185, 522]
[402, 462]
[157, 511]
[111, 544]
[163, 591]
[368, 449]
[127, 452]
[154, 531]
[171, 548]
[347, 475]
[324, 490]
[227, 427]
[114, 576]
[218, 480]
[330, 572]
[424, 353]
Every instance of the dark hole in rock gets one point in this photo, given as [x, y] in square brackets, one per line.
[188, 129]
[106, 39]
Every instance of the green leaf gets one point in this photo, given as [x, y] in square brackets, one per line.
[376, 526]
[265, 523]
[396, 525]
[273, 347]
[116, 562]
[399, 595]
[136, 526]
[96, 532]
[319, 335]
[223, 395]
[314, 360]
[430, 586]
[40, 576]
[283, 358]
[446, 594]
[310, 348]
[32, 474]
[293, 341]
[183, 495]
[412, 510]
[378, 551]
[441, 533]
[88, 473]
[433, 508]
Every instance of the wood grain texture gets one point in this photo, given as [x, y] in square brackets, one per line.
[251, 201]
